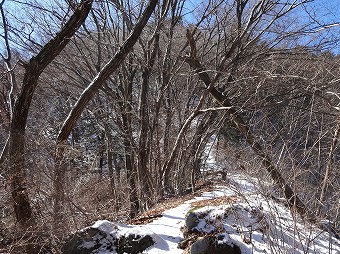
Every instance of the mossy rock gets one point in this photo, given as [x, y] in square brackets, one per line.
[191, 220]
[192, 217]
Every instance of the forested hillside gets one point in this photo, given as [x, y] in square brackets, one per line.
[109, 107]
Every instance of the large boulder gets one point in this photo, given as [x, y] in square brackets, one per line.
[191, 220]
[134, 243]
[205, 230]
[107, 237]
[91, 239]
[216, 244]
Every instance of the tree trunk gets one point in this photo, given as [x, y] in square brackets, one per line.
[144, 150]
[16, 150]
[94, 86]
[144, 164]
[293, 200]
[129, 164]
[110, 161]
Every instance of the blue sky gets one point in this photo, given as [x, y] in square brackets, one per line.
[327, 12]
[323, 11]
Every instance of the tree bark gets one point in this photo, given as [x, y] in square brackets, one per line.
[3, 156]
[129, 164]
[110, 160]
[144, 135]
[143, 150]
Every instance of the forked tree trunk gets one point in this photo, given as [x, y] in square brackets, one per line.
[84, 99]
[16, 149]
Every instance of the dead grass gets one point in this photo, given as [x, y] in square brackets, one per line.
[170, 203]
[215, 201]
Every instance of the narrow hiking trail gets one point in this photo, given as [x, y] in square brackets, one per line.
[255, 223]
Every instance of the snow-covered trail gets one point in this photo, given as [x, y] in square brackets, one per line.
[292, 236]
[168, 227]
[273, 229]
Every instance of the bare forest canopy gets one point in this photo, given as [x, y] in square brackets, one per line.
[108, 106]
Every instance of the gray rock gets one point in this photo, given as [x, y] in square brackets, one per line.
[88, 241]
[209, 244]
[191, 220]
[106, 237]
[201, 246]
[134, 244]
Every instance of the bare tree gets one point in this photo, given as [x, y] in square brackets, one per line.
[16, 151]
[138, 126]
[238, 49]
[83, 100]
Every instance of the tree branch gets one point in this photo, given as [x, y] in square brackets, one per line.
[292, 198]
[104, 73]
